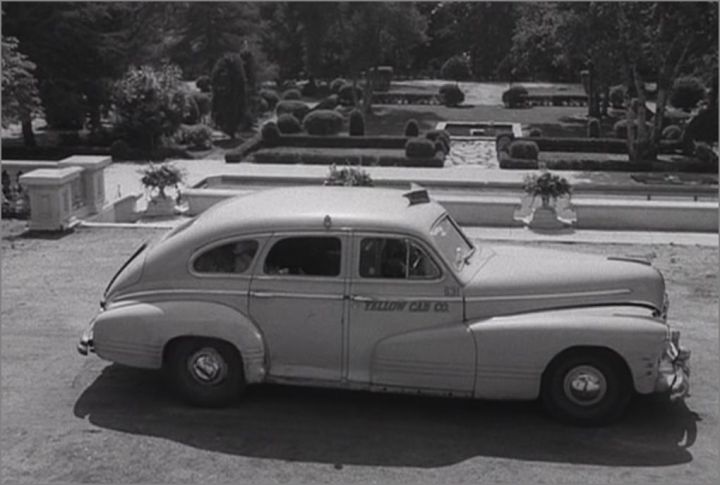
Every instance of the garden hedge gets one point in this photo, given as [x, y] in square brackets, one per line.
[323, 122]
[590, 145]
[342, 141]
[296, 108]
[287, 123]
[250, 145]
[364, 157]
[606, 165]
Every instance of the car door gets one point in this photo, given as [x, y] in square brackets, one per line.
[406, 324]
[297, 299]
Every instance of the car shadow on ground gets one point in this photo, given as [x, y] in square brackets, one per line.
[358, 428]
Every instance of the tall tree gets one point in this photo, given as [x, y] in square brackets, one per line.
[21, 100]
[229, 101]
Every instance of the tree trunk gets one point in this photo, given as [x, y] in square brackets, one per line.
[606, 100]
[27, 132]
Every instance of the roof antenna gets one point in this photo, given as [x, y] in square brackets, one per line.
[417, 194]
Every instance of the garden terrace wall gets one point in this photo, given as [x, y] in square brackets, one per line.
[354, 157]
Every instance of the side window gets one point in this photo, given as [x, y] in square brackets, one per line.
[309, 256]
[395, 258]
[233, 258]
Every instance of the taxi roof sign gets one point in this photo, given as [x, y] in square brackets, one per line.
[417, 194]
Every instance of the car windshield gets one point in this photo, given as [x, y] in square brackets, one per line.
[453, 244]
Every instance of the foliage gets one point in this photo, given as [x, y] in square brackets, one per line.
[357, 123]
[20, 96]
[535, 132]
[296, 108]
[120, 151]
[440, 136]
[203, 103]
[149, 103]
[323, 122]
[672, 132]
[548, 186]
[419, 148]
[620, 128]
[345, 94]
[270, 133]
[593, 128]
[251, 74]
[287, 123]
[196, 137]
[160, 177]
[348, 176]
[703, 126]
[451, 95]
[203, 83]
[270, 96]
[336, 84]
[515, 97]
[617, 96]
[687, 92]
[229, 101]
[705, 153]
[293, 94]
[456, 68]
[328, 103]
[412, 128]
[382, 78]
[310, 88]
[527, 150]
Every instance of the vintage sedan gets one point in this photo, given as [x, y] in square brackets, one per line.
[379, 289]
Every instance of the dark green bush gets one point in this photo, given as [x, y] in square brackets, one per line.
[617, 96]
[419, 148]
[270, 133]
[191, 114]
[203, 103]
[451, 95]
[229, 99]
[705, 153]
[262, 105]
[357, 123]
[120, 151]
[287, 123]
[64, 107]
[203, 83]
[270, 96]
[672, 132]
[456, 68]
[703, 126]
[323, 122]
[336, 84]
[441, 136]
[620, 128]
[382, 78]
[412, 128]
[687, 92]
[515, 97]
[250, 67]
[296, 108]
[535, 132]
[328, 103]
[345, 95]
[196, 137]
[291, 94]
[310, 88]
[527, 150]
[593, 128]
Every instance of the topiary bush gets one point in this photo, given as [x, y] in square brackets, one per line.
[296, 108]
[441, 136]
[593, 128]
[526, 150]
[323, 122]
[291, 94]
[336, 84]
[196, 137]
[330, 102]
[412, 128]
[229, 100]
[357, 123]
[451, 95]
[515, 97]
[456, 68]
[345, 94]
[270, 133]
[288, 124]
[270, 96]
[617, 96]
[672, 132]
[419, 148]
[687, 92]
[535, 132]
[203, 83]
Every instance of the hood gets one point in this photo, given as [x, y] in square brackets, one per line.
[513, 279]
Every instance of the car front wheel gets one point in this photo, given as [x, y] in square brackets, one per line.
[205, 372]
[586, 388]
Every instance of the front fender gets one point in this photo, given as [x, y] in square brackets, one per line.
[135, 333]
[513, 351]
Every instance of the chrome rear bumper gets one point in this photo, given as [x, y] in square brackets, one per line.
[85, 345]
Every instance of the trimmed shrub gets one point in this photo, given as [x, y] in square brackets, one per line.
[617, 96]
[196, 137]
[535, 132]
[515, 97]
[451, 95]
[323, 122]
[703, 126]
[262, 105]
[270, 133]
[620, 128]
[456, 68]
[296, 108]
[411, 128]
[120, 151]
[687, 92]
[526, 150]
[203, 83]
[336, 84]
[593, 128]
[672, 132]
[502, 143]
[291, 94]
[250, 67]
[309, 88]
[357, 123]
[345, 94]
[441, 136]
[419, 148]
[287, 123]
[330, 102]
[229, 100]
[270, 96]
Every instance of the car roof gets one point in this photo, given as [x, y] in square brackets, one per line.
[306, 208]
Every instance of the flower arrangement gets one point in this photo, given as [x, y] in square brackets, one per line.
[348, 176]
[547, 186]
[160, 177]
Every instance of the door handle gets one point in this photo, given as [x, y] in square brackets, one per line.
[361, 298]
[262, 294]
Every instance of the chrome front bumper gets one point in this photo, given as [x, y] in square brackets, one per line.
[674, 373]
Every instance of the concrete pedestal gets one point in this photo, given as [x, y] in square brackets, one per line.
[51, 197]
[92, 179]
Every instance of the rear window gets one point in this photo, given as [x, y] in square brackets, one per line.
[234, 258]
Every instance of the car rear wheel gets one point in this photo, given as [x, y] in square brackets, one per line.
[205, 372]
[586, 387]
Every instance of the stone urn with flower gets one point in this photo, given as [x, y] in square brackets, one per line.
[157, 179]
[549, 188]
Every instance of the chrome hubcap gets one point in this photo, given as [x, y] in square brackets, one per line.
[585, 385]
[207, 366]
